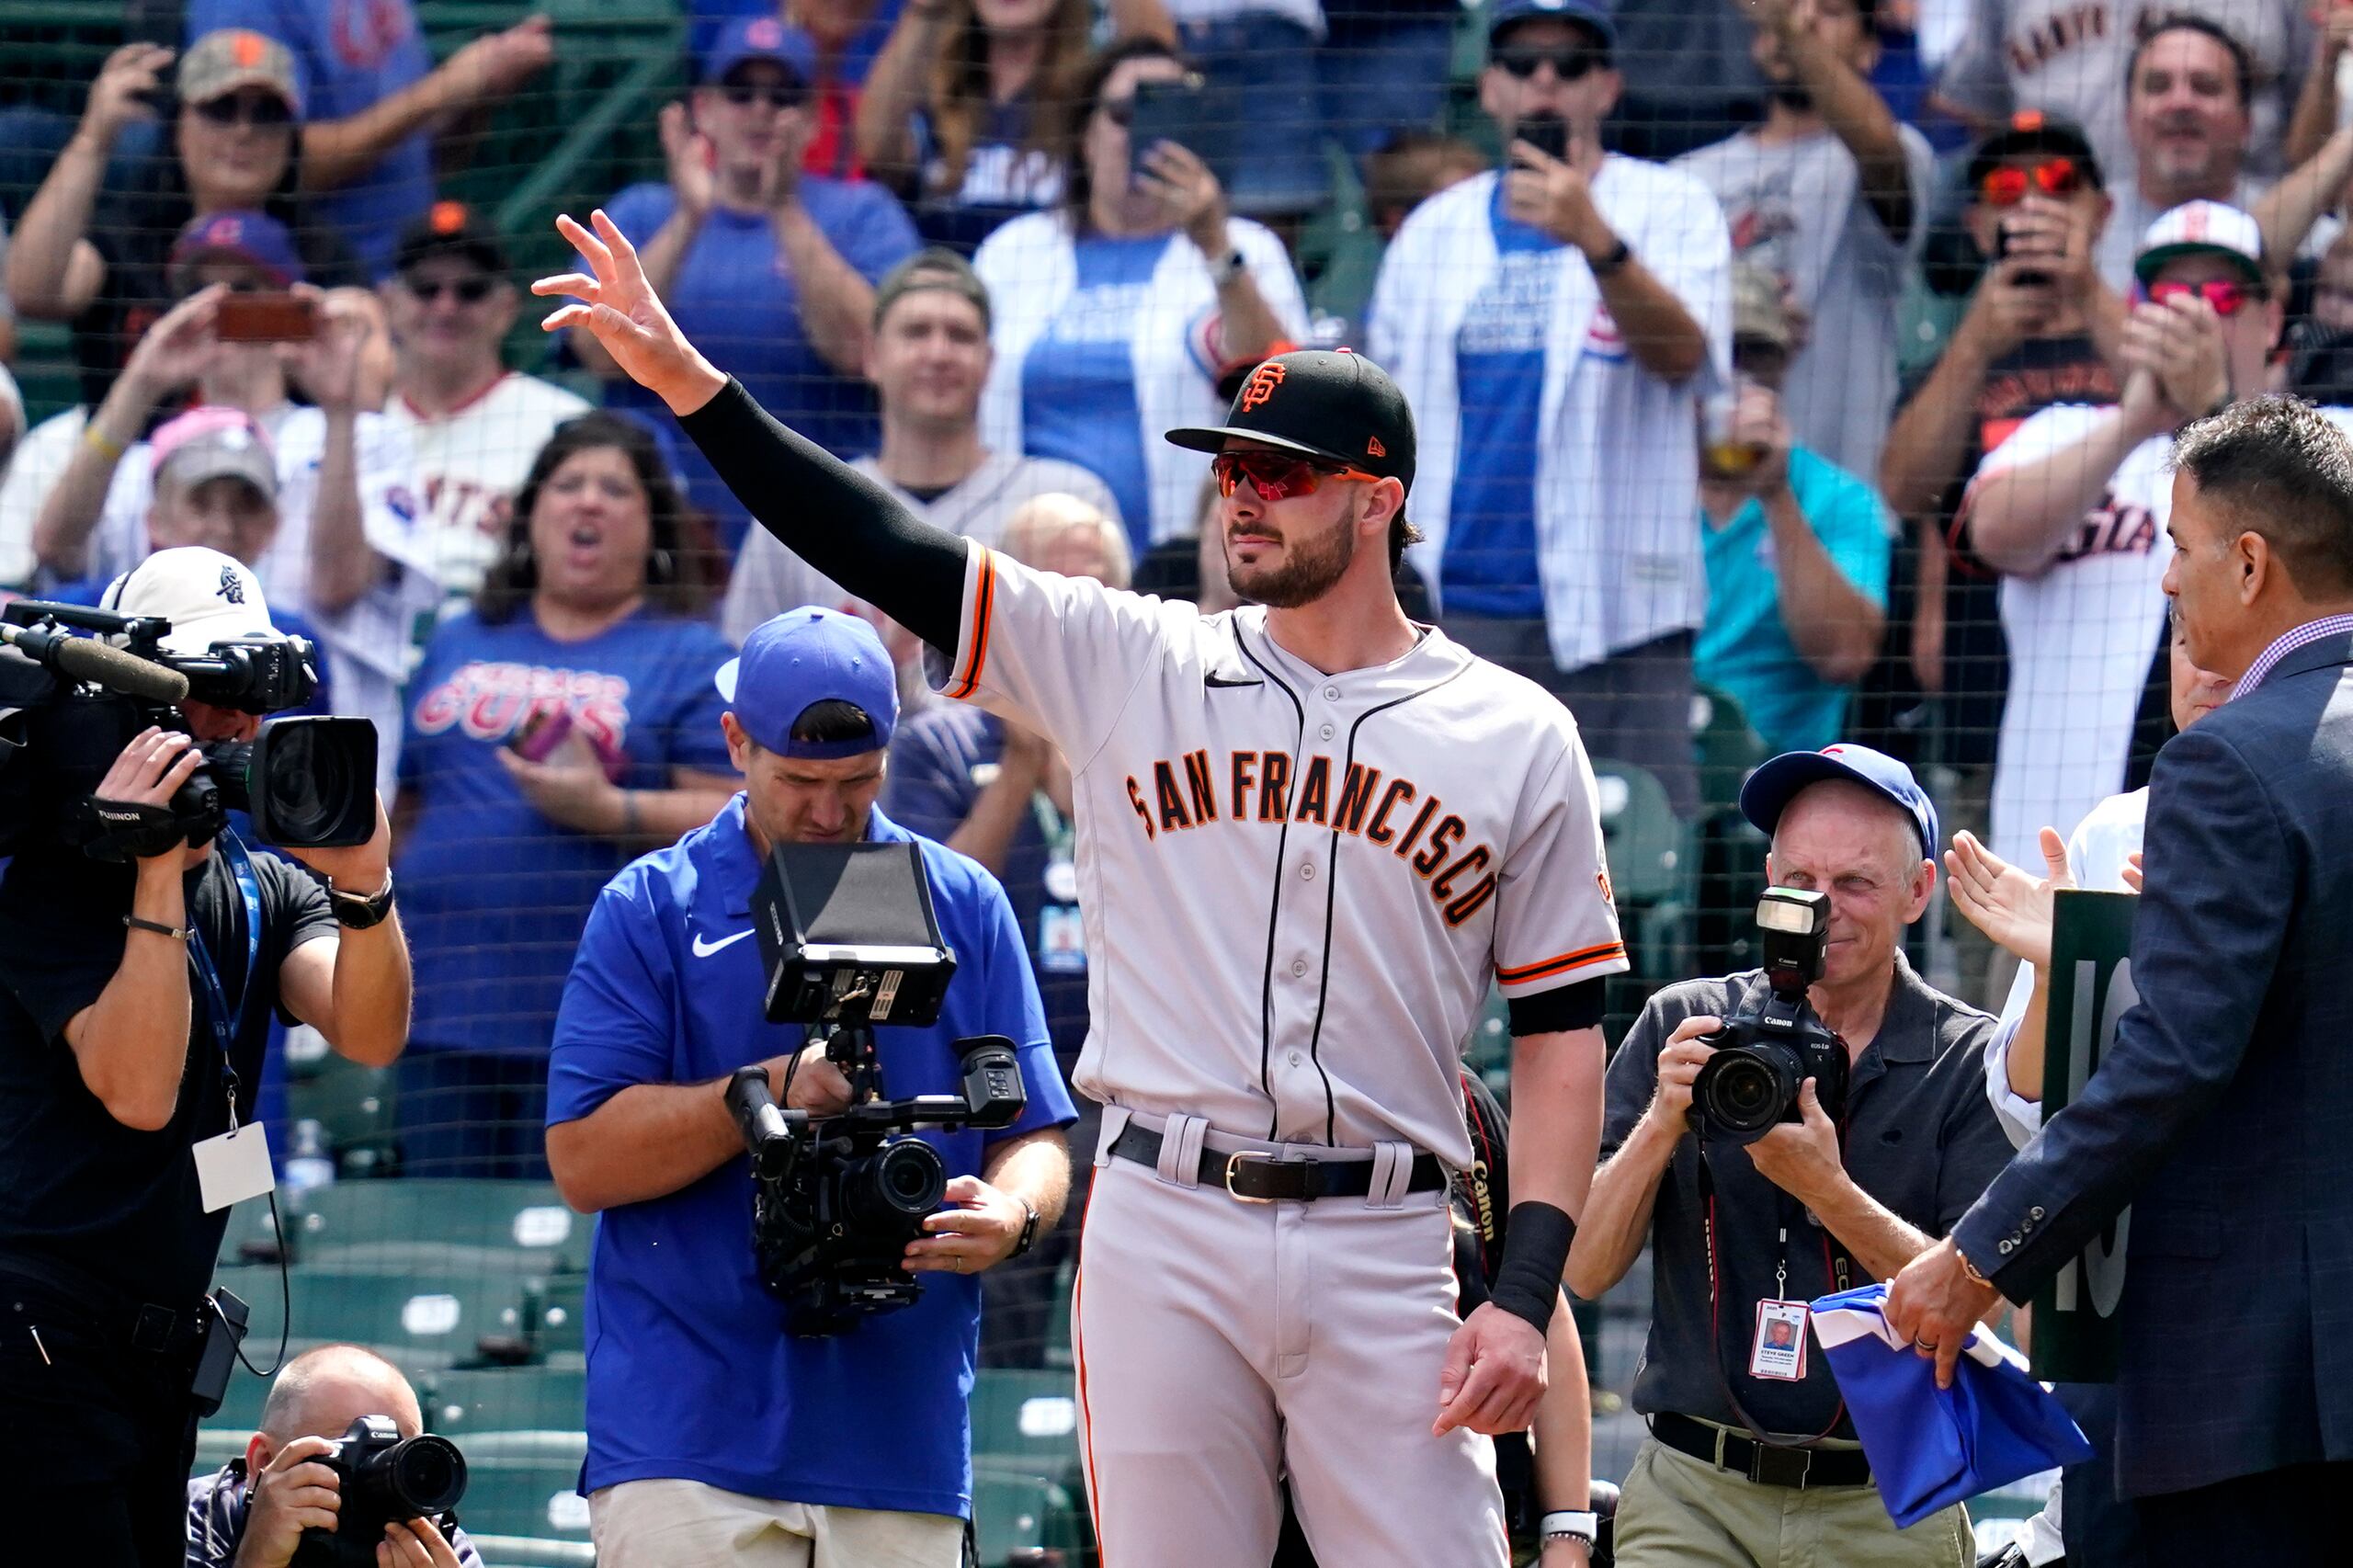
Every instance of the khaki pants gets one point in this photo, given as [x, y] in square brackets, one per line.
[1678, 1512]
[686, 1524]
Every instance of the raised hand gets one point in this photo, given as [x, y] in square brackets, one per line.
[120, 94]
[619, 308]
[2011, 905]
[687, 153]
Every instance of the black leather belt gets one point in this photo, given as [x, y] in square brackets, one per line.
[1762, 1462]
[172, 1333]
[1255, 1177]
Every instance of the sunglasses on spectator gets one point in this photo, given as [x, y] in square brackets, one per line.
[468, 290]
[783, 94]
[2225, 295]
[1572, 63]
[2013, 183]
[1277, 476]
[261, 110]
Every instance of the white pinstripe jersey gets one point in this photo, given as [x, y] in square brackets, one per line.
[1296, 887]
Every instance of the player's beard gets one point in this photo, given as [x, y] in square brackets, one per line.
[1310, 568]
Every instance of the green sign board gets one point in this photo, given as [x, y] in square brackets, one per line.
[2091, 988]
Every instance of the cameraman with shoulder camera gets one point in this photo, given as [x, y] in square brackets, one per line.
[1878, 1148]
[253, 1511]
[134, 1005]
[715, 1436]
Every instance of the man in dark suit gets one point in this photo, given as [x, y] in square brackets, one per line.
[2223, 1112]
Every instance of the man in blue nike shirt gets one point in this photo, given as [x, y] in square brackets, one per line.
[713, 1435]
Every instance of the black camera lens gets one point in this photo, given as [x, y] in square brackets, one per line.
[311, 781]
[1743, 1090]
[890, 1191]
[422, 1475]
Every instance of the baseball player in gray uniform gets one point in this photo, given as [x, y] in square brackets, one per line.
[1310, 834]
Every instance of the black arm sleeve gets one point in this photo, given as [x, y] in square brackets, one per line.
[835, 518]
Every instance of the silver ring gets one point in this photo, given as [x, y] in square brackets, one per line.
[1924, 1344]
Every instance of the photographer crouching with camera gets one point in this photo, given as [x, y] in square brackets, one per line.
[142, 950]
[1777, 1135]
[336, 1470]
[781, 1348]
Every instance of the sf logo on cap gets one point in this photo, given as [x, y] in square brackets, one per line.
[233, 587]
[1261, 385]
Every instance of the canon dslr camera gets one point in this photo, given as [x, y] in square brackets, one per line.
[1775, 1041]
[383, 1478]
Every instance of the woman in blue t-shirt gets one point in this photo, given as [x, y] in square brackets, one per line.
[953, 116]
[1113, 314]
[562, 725]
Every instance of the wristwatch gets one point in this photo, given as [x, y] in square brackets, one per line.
[1573, 1523]
[1225, 271]
[1029, 1229]
[1611, 261]
[359, 912]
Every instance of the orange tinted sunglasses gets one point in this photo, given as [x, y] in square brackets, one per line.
[2011, 184]
[1276, 476]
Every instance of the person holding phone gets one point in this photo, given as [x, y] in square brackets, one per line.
[772, 267]
[100, 258]
[1115, 312]
[345, 554]
[1829, 194]
[564, 725]
[1554, 324]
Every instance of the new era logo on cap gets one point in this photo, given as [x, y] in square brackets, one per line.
[1373, 449]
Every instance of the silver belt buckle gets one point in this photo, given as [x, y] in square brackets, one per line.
[1233, 1163]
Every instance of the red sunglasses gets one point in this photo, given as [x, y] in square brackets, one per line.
[2224, 295]
[1276, 476]
[2011, 184]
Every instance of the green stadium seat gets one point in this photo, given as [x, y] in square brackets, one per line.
[524, 1484]
[1640, 834]
[353, 1105]
[502, 1227]
[1026, 1417]
[460, 1401]
[1729, 749]
[419, 1321]
[1020, 1518]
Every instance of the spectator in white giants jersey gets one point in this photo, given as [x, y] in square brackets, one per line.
[2072, 509]
[473, 425]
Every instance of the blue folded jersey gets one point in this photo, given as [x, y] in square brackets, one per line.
[1931, 1448]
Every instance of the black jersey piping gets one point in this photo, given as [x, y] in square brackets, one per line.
[1275, 903]
[1331, 899]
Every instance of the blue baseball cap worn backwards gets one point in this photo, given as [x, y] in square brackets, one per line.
[794, 660]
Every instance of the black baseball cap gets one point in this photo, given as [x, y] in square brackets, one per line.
[2031, 130]
[452, 228]
[1327, 403]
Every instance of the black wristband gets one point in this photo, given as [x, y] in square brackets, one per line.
[1619, 255]
[1536, 1252]
[177, 933]
[1028, 1229]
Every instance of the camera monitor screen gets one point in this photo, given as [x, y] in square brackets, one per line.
[847, 934]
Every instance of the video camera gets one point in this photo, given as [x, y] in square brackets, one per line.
[69, 704]
[1775, 1041]
[848, 940]
[383, 1478]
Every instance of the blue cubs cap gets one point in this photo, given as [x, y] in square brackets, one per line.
[763, 37]
[794, 660]
[255, 238]
[1585, 13]
[1772, 787]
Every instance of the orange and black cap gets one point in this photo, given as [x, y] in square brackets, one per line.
[1326, 404]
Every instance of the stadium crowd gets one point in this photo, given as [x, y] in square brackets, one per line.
[1789, 374]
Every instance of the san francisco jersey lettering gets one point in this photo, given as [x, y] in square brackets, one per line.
[1297, 888]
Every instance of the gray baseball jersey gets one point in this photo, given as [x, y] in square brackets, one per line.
[1296, 886]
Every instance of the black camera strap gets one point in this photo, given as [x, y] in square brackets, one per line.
[1834, 1266]
[227, 1024]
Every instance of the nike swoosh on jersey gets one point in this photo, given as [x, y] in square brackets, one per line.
[704, 949]
[1228, 680]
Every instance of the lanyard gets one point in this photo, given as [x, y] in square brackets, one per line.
[226, 1024]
